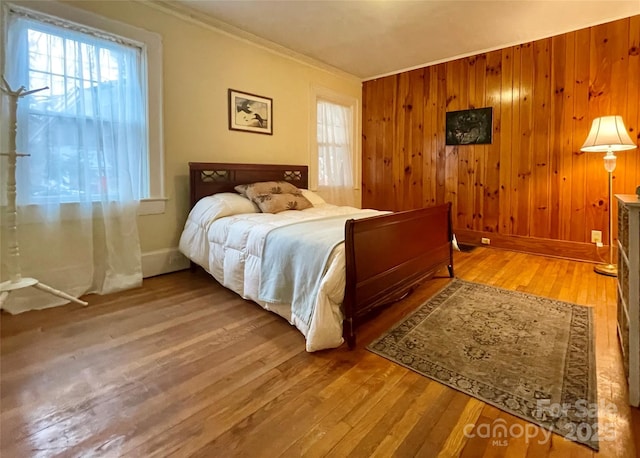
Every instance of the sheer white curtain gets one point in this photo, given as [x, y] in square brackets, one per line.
[79, 190]
[335, 153]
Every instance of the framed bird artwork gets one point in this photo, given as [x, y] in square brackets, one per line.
[250, 112]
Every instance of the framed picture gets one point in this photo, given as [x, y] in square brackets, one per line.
[250, 112]
[469, 127]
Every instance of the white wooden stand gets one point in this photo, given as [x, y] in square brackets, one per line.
[16, 281]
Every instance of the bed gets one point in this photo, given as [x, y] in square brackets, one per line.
[383, 258]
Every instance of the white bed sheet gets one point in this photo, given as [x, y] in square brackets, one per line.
[230, 249]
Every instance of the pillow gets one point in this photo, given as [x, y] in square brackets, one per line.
[210, 208]
[265, 187]
[278, 202]
[313, 197]
[241, 189]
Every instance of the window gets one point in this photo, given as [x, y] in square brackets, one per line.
[334, 161]
[93, 135]
[334, 145]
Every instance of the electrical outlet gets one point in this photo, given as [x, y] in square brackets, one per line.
[596, 237]
[485, 241]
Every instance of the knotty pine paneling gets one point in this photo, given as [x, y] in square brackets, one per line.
[533, 180]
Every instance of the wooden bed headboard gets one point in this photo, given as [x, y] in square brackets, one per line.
[207, 178]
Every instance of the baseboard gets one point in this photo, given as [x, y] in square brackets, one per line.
[162, 262]
[557, 248]
[171, 260]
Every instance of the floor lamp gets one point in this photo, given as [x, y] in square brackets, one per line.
[608, 134]
[16, 280]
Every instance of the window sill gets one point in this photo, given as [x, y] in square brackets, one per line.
[152, 206]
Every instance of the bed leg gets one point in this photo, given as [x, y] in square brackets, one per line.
[351, 341]
[349, 333]
[193, 267]
[450, 267]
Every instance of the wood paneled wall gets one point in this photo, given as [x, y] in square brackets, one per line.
[532, 180]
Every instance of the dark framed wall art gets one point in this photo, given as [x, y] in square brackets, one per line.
[469, 127]
[250, 112]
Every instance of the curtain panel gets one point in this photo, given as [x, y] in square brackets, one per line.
[335, 153]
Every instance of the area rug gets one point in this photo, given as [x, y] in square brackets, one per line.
[530, 356]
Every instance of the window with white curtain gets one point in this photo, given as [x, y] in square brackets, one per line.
[335, 152]
[90, 120]
[94, 143]
[91, 135]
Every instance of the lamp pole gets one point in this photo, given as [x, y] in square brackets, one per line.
[609, 269]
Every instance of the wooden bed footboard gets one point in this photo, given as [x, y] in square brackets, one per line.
[389, 255]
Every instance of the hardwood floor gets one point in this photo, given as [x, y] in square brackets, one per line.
[183, 367]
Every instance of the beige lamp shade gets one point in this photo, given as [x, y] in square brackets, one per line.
[608, 133]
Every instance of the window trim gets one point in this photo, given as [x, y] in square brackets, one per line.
[151, 44]
[322, 93]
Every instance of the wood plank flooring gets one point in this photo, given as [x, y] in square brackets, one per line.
[184, 367]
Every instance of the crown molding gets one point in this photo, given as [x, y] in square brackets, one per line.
[199, 18]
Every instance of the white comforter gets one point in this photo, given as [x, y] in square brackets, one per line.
[229, 246]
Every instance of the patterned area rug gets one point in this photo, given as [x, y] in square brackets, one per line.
[527, 355]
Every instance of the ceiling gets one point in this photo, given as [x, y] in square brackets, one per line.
[370, 38]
